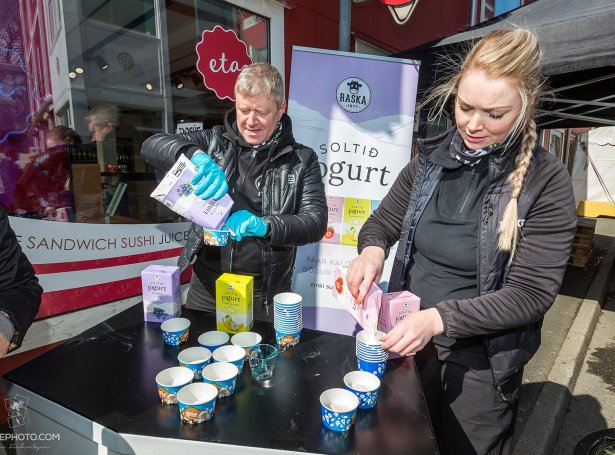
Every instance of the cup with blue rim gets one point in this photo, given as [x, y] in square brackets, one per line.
[287, 319]
[223, 376]
[370, 355]
[197, 402]
[175, 331]
[212, 237]
[338, 409]
[170, 381]
[364, 385]
[195, 359]
[246, 340]
[213, 339]
[231, 354]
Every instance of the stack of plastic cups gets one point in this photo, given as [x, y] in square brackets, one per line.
[287, 319]
[370, 355]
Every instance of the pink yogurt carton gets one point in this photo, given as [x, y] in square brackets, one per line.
[396, 306]
[161, 292]
[335, 206]
[367, 313]
[176, 192]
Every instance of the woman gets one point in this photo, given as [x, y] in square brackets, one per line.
[485, 219]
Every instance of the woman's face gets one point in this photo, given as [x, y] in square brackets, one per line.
[486, 108]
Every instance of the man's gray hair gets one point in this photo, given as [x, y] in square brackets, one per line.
[260, 79]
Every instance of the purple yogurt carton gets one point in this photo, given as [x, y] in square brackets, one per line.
[161, 292]
[176, 192]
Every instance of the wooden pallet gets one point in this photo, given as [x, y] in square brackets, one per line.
[583, 242]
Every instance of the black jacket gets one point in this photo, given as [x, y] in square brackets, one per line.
[293, 195]
[513, 298]
[20, 293]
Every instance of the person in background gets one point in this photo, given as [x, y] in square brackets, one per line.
[114, 149]
[20, 293]
[485, 219]
[275, 183]
[44, 185]
[9, 171]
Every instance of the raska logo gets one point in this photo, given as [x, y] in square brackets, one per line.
[353, 94]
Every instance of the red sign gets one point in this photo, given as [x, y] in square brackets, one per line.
[221, 57]
[401, 9]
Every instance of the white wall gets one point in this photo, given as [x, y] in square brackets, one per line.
[602, 153]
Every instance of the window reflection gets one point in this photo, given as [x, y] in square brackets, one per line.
[99, 78]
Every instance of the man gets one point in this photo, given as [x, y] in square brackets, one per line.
[20, 293]
[275, 183]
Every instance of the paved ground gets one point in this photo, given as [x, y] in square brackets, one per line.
[592, 406]
[550, 402]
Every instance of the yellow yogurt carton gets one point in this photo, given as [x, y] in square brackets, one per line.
[234, 303]
[356, 213]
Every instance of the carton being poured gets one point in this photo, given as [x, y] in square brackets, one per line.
[176, 192]
[379, 311]
[366, 314]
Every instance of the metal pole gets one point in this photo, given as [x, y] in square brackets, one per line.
[473, 12]
[344, 43]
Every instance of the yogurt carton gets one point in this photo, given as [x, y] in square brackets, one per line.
[234, 305]
[366, 314]
[161, 292]
[395, 307]
[176, 192]
[335, 207]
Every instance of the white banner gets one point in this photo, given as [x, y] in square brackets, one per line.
[80, 265]
[357, 112]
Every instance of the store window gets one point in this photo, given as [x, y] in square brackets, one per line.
[556, 143]
[137, 15]
[119, 71]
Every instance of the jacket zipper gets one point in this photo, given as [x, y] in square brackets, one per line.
[243, 181]
[501, 393]
[266, 211]
[243, 177]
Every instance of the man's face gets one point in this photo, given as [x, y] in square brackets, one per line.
[257, 117]
[99, 131]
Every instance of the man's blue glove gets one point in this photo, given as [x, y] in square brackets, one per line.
[245, 224]
[209, 179]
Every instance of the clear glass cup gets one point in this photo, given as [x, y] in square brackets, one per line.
[262, 359]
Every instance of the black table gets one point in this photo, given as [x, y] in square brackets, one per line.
[98, 389]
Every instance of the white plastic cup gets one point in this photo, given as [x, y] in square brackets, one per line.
[231, 354]
[213, 339]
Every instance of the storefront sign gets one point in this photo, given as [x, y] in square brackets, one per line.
[221, 57]
[188, 127]
[94, 263]
[357, 113]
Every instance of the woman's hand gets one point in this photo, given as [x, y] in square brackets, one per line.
[413, 332]
[364, 270]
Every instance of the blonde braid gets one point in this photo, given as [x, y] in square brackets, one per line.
[509, 229]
